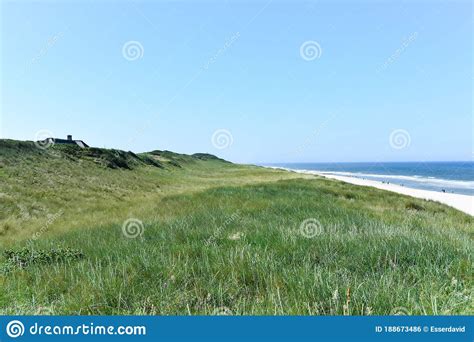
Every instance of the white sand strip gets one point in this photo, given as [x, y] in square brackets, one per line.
[464, 203]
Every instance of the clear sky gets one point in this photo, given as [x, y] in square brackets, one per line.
[387, 80]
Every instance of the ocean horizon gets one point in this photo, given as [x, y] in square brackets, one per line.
[451, 177]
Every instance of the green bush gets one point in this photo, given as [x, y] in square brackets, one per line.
[22, 258]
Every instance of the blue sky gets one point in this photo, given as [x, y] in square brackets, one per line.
[390, 81]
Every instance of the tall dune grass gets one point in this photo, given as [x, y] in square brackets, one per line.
[219, 238]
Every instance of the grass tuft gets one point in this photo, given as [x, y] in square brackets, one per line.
[414, 206]
[25, 257]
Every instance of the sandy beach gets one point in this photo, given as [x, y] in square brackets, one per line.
[464, 203]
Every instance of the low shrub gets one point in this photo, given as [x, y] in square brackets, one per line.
[414, 206]
[18, 259]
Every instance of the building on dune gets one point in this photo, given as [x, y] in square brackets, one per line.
[69, 141]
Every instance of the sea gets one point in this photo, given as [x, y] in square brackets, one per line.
[450, 177]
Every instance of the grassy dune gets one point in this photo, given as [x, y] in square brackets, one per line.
[217, 238]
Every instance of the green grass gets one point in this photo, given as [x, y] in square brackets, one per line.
[218, 238]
